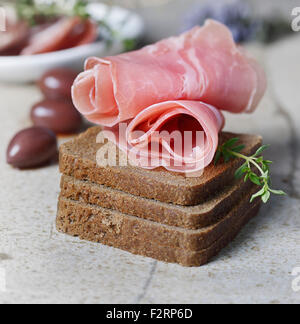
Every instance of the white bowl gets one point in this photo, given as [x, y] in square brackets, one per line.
[128, 25]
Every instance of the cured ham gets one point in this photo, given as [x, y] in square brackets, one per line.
[203, 64]
[64, 33]
[181, 136]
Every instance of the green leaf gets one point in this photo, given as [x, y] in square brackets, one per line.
[217, 157]
[266, 196]
[265, 176]
[231, 142]
[267, 162]
[240, 171]
[258, 194]
[255, 179]
[80, 9]
[227, 156]
[260, 159]
[262, 179]
[265, 168]
[261, 149]
[238, 148]
[278, 192]
[129, 44]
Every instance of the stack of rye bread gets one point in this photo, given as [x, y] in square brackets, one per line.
[155, 213]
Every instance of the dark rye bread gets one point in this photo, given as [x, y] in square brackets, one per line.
[77, 220]
[189, 217]
[78, 160]
[99, 221]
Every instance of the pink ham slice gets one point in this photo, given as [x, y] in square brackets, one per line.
[63, 34]
[181, 136]
[203, 64]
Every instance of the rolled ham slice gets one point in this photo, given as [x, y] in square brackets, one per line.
[181, 136]
[203, 64]
[65, 33]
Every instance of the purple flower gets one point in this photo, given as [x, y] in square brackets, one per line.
[236, 15]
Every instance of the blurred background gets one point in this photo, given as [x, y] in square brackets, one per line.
[44, 267]
[165, 17]
[264, 21]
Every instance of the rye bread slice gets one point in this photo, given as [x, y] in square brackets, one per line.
[78, 160]
[99, 221]
[189, 217]
[78, 220]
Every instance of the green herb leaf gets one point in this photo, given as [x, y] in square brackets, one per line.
[238, 148]
[227, 156]
[265, 167]
[240, 171]
[129, 44]
[268, 162]
[261, 149]
[261, 177]
[255, 178]
[218, 156]
[278, 192]
[231, 142]
[80, 10]
[258, 194]
[246, 177]
[266, 196]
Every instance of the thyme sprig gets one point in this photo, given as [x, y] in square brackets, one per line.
[230, 150]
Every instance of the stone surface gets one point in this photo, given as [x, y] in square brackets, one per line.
[43, 266]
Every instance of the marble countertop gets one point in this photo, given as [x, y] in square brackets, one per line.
[40, 265]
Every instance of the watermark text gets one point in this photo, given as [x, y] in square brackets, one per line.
[296, 21]
[2, 280]
[177, 151]
[2, 20]
[296, 281]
